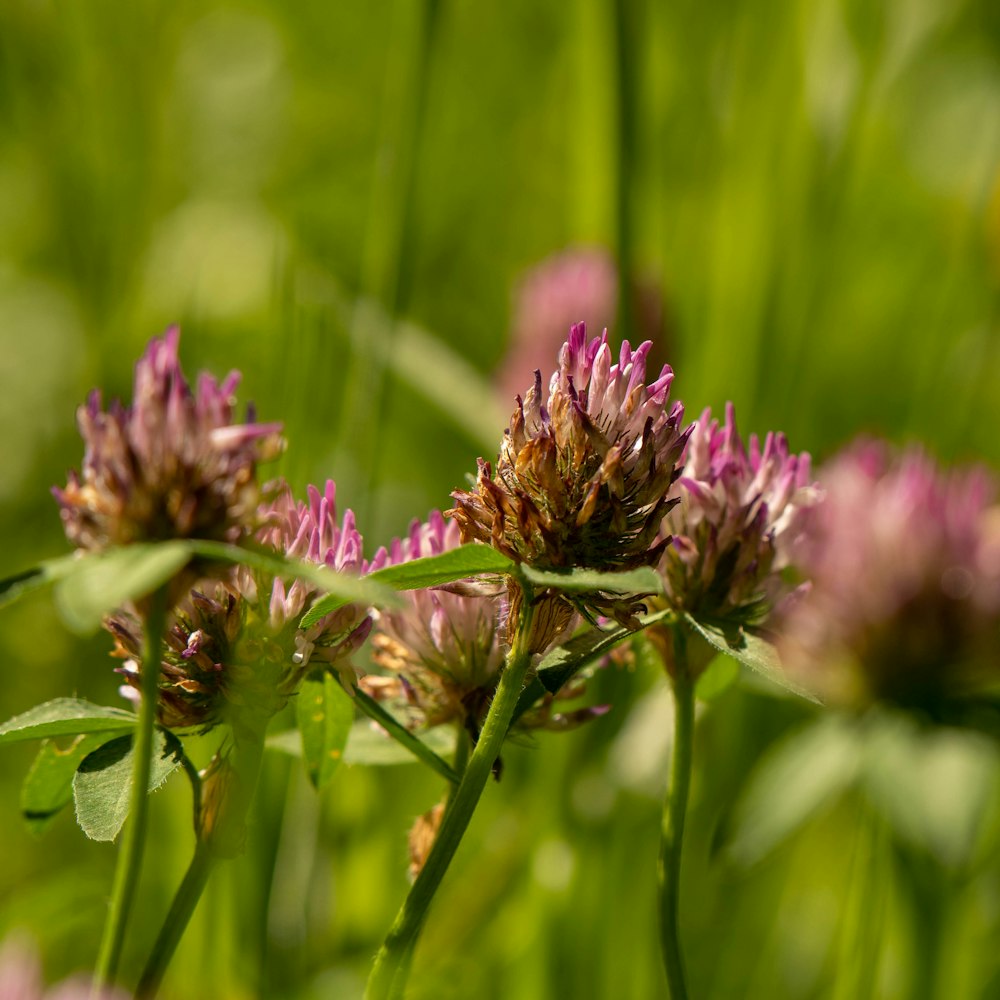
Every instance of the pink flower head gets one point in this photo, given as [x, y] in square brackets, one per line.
[740, 514]
[444, 648]
[21, 976]
[904, 559]
[171, 465]
[310, 531]
[237, 642]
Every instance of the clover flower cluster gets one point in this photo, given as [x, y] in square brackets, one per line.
[241, 643]
[904, 604]
[173, 464]
[736, 527]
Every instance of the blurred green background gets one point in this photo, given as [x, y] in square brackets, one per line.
[811, 190]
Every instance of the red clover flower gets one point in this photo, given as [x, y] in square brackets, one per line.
[904, 559]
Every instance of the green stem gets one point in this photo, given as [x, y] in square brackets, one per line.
[404, 737]
[177, 920]
[389, 973]
[134, 841]
[674, 811]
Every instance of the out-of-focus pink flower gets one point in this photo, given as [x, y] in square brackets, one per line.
[584, 472]
[173, 464]
[238, 640]
[904, 559]
[575, 286]
[21, 977]
[740, 514]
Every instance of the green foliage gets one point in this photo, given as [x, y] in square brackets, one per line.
[325, 715]
[64, 717]
[103, 782]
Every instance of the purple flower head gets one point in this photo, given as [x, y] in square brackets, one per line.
[583, 472]
[171, 465]
[310, 531]
[235, 645]
[740, 514]
[904, 563]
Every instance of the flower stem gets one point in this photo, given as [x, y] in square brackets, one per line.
[134, 841]
[674, 811]
[177, 920]
[389, 973]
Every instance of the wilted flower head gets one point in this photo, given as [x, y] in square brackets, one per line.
[740, 514]
[583, 474]
[171, 465]
[238, 643]
[904, 560]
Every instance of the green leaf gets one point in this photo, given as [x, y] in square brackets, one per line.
[65, 717]
[48, 787]
[717, 678]
[341, 588]
[588, 581]
[103, 782]
[98, 583]
[751, 648]
[431, 571]
[793, 780]
[22, 583]
[325, 713]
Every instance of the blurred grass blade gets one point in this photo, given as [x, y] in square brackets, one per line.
[448, 381]
[325, 714]
[103, 783]
[792, 782]
[65, 717]
[98, 583]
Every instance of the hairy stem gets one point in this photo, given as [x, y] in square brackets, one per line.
[134, 840]
[674, 812]
[389, 973]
